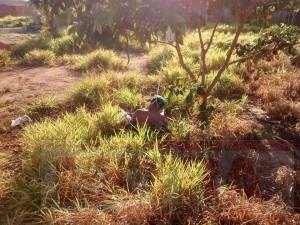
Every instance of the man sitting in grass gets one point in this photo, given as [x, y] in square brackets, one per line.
[153, 116]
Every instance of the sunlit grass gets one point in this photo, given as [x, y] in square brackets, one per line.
[39, 58]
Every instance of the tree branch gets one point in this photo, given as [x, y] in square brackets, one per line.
[201, 39]
[182, 63]
[227, 60]
[203, 68]
[212, 37]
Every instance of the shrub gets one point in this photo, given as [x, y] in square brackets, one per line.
[39, 58]
[178, 187]
[4, 58]
[90, 92]
[40, 42]
[271, 40]
[127, 99]
[157, 58]
[63, 45]
[100, 59]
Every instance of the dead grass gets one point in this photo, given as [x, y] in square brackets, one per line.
[85, 216]
[231, 207]
[229, 126]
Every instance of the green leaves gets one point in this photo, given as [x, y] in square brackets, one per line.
[275, 38]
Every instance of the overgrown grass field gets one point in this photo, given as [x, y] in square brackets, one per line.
[84, 167]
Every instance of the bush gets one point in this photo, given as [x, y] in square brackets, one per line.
[90, 92]
[127, 99]
[40, 42]
[4, 58]
[179, 187]
[39, 58]
[272, 40]
[157, 58]
[100, 60]
[63, 45]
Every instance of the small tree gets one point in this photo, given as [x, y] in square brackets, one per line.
[183, 15]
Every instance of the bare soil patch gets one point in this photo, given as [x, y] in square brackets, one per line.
[21, 86]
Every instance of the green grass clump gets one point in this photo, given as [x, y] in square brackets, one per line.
[70, 130]
[178, 187]
[63, 45]
[14, 21]
[157, 58]
[229, 86]
[126, 161]
[39, 58]
[70, 59]
[99, 60]
[180, 128]
[110, 120]
[4, 58]
[40, 42]
[41, 105]
[90, 92]
[172, 73]
[127, 98]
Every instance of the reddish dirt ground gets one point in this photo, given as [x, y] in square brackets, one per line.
[21, 86]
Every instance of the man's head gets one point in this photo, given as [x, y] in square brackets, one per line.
[158, 103]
